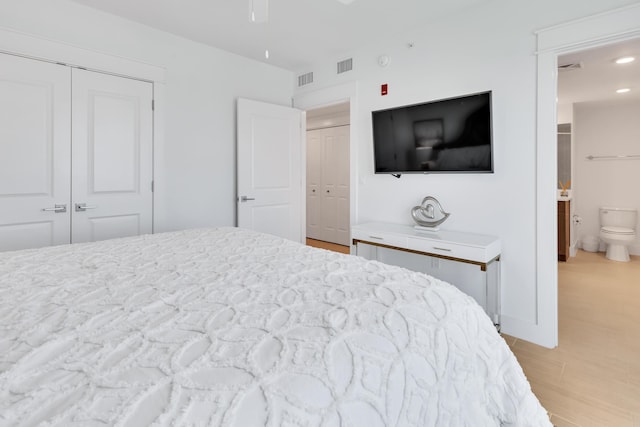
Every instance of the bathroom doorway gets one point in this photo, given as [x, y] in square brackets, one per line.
[598, 102]
[597, 140]
[598, 299]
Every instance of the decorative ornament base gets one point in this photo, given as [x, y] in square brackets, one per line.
[426, 229]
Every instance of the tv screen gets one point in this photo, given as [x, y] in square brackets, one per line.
[448, 135]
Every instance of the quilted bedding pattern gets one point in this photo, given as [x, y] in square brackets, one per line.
[228, 327]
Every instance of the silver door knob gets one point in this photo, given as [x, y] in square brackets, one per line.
[245, 198]
[56, 209]
[81, 207]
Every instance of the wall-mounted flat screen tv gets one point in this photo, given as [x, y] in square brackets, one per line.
[445, 136]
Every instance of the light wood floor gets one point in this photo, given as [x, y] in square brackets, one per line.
[328, 245]
[593, 377]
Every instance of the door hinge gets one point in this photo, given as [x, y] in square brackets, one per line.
[153, 105]
[152, 186]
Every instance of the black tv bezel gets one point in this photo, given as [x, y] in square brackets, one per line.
[398, 173]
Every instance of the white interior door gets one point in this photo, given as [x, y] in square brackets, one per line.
[35, 157]
[314, 183]
[270, 158]
[328, 185]
[328, 205]
[341, 187]
[112, 156]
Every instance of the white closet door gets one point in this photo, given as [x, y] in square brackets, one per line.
[335, 186]
[35, 111]
[112, 156]
[315, 141]
[329, 207]
[341, 184]
[328, 185]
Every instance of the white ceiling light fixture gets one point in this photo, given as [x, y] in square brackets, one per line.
[258, 11]
[625, 60]
[623, 90]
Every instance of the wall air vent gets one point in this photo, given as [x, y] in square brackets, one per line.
[346, 65]
[570, 67]
[305, 79]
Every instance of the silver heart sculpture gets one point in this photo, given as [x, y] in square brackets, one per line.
[429, 213]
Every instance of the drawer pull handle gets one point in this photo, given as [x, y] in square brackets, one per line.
[442, 249]
[376, 237]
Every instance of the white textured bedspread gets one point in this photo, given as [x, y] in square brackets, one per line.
[228, 327]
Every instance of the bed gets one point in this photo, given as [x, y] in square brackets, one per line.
[229, 327]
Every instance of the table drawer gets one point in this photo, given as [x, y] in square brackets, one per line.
[470, 253]
[388, 239]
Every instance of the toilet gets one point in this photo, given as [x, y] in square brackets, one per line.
[618, 231]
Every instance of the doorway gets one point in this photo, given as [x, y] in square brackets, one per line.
[597, 111]
[328, 174]
[603, 166]
[597, 30]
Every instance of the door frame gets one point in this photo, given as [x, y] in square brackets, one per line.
[347, 92]
[43, 49]
[597, 30]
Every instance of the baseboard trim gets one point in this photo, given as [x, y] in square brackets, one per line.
[527, 331]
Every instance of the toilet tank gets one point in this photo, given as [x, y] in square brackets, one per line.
[618, 217]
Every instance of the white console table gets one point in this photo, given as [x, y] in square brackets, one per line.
[478, 249]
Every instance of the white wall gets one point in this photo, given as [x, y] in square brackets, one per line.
[326, 118]
[491, 47]
[565, 113]
[195, 166]
[606, 129]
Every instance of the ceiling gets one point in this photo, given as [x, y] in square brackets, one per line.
[298, 33]
[600, 77]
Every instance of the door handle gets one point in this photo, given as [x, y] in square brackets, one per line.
[245, 198]
[56, 209]
[81, 207]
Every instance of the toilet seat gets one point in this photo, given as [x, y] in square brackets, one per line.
[618, 230]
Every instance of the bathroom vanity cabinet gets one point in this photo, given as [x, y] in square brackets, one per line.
[564, 239]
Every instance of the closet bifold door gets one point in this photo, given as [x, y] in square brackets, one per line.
[112, 153]
[35, 112]
[328, 185]
[335, 185]
[314, 184]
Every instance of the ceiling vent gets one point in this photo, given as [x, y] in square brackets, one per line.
[305, 79]
[346, 65]
[570, 67]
